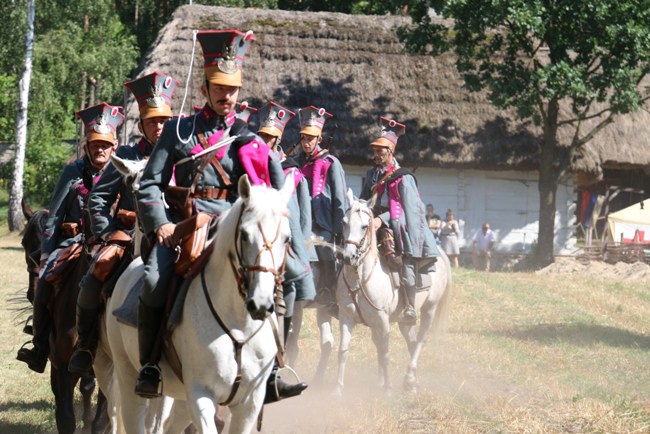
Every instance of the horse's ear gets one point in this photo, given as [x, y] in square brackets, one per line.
[350, 197]
[372, 201]
[120, 164]
[288, 187]
[244, 187]
[27, 211]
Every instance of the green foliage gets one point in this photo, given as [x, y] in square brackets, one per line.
[527, 53]
[539, 57]
[44, 163]
[8, 89]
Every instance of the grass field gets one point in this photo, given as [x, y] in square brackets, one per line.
[523, 352]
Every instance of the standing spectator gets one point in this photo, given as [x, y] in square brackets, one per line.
[482, 248]
[434, 221]
[449, 237]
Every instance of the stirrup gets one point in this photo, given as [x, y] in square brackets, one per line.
[408, 316]
[81, 362]
[274, 393]
[32, 357]
[28, 328]
[149, 382]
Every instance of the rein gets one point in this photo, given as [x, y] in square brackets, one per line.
[237, 343]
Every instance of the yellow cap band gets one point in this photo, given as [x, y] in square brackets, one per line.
[216, 76]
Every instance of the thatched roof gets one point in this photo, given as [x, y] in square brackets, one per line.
[354, 67]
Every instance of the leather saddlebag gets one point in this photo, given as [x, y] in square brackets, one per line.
[65, 260]
[190, 237]
[386, 245]
[70, 229]
[127, 218]
[110, 255]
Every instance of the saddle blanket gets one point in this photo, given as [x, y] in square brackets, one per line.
[127, 313]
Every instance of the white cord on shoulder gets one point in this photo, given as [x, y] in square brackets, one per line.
[189, 77]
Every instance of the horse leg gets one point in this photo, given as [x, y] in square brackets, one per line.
[63, 385]
[380, 335]
[86, 388]
[346, 325]
[291, 346]
[203, 410]
[100, 422]
[179, 420]
[133, 408]
[326, 342]
[243, 416]
[104, 415]
[416, 346]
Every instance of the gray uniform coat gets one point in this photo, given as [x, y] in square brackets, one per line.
[110, 187]
[406, 215]
[162, 167]
[68, 200]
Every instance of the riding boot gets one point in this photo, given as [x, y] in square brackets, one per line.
[36, 358]
[326, 290]
[81, 361]
[409, 316]
[276, 389]
[149, 376]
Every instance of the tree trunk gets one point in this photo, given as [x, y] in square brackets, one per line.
[16, 217]
[548, 183]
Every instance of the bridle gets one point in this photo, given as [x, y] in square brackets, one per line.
[242, 285]
[363, 245]
[242, 271]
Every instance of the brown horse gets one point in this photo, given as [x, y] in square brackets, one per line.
[63, 336]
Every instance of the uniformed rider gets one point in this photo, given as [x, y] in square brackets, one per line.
[300, 287]
[65, 225]
[326, 180]
[113, 212]
[214, 188]
[399, 207]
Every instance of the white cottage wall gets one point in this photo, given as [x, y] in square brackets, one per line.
[508, 200]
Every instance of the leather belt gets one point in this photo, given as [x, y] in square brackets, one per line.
[210, 193]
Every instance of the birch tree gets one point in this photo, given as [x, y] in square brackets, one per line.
[16, 218]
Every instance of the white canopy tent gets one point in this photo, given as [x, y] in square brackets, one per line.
[631, 224]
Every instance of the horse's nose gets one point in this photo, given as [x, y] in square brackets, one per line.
[258, 312]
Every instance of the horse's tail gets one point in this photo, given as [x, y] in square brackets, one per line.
[441, 318]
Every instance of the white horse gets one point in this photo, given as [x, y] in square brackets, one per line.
[367, 295]
[226, 341]
[161, 410]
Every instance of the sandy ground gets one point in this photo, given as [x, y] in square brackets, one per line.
[620, 270]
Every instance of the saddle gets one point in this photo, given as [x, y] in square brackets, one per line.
[66, 258]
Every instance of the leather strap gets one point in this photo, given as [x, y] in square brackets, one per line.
[210, 193]
[214, 162]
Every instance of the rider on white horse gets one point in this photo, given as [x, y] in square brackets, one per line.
[63, 227]
[326, 180]
[399, 207]
[211, 186]
[112, 211]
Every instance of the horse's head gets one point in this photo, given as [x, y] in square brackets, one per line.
[131, 170]
[31, 243]
[357, 231]
[261, 243]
